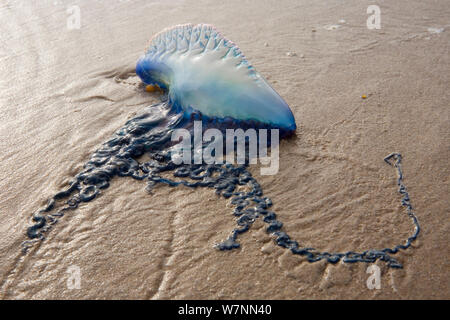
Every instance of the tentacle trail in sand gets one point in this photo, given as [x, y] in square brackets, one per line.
[150, 133]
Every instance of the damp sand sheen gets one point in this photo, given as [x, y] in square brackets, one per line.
[333, 192]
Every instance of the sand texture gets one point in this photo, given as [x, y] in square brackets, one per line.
[64, 92]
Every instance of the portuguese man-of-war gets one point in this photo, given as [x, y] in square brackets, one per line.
[205, 78]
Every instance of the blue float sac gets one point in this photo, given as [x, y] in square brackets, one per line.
[203, 71]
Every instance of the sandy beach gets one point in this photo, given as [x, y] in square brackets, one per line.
[357, 94]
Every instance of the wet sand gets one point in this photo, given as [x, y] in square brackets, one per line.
[65, 92]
